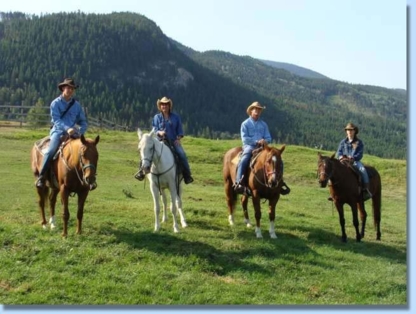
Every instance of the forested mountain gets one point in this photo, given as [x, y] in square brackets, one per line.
[124, 63]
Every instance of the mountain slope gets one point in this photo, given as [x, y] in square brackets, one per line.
[124, 63]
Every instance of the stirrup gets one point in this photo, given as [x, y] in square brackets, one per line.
[40, 182]
[284, 190]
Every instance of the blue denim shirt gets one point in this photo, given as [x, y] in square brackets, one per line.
[252, 131]
[75, 115]
[353, 149]
[172, 126]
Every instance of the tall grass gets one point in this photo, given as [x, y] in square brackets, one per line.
[120, 260]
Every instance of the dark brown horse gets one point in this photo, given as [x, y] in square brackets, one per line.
[73, 171]
[344, 187]
[264, 180]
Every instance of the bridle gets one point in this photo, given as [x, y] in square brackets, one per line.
[84, 166]
[327, 176]
[277, 176]
[152, 160]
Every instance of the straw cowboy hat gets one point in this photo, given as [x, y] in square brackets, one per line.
[255, 104]
[164, 100]
[351, 126]
[67, 82]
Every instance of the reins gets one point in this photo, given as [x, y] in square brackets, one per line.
[81, 163]
[157, 162]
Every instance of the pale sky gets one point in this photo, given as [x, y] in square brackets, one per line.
[355, 41]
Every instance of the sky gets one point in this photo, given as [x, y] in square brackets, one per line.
[356, 41]
[353, 41]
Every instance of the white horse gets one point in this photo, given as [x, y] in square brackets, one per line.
[158, 161]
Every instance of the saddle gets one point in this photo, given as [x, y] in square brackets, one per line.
[171, 146]
[357, 173]
[42, 146]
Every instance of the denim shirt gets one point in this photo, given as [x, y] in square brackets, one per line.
[252, 131]
[172, 126]
[75, 115]
[353, 149]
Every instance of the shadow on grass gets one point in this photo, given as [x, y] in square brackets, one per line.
[274, 253]
[366, 248]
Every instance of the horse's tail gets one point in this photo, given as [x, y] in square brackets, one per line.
[376, 202]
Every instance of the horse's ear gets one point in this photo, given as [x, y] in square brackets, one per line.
[282, 148]
[139, 133]
[333, 156]
[152, 132]
[97, 139]
[83, 140]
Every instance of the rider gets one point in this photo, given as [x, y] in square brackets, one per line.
[351, 148]
[65, 113]
[254, 133]
[168, 125]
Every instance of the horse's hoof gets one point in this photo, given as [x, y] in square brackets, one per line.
[53, 226]
[184, 224]
[44, 227]
[273, 235]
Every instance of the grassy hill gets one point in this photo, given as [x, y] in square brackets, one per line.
[120, 260]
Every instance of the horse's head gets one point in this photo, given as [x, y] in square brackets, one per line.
[88, 158]
[325, 169]
[273, 165]
[147, 151]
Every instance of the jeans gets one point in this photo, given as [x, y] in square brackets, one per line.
[182, 156]
[54, 143]
[363, 171]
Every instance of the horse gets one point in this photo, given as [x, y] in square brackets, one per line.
[72, 171]
[344, 187]
[159, 162]
[264, 179]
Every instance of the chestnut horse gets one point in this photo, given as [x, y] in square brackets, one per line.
[73, 171]
[344, 187]
[264, 181]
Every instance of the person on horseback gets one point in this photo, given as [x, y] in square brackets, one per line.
[66, 112]
[351, 148]
[254, 133]
[168, 126]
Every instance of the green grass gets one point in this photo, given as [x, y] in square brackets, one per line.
[120, 260]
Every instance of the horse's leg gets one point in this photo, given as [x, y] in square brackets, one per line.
[164, 206]
[230, 197]
[244, 203]
[42, 195]
[363, 217]
[272, 217]
[52, 204]
[179, 207]
[82, 196]
[355, 221]
[156, 202]
[340, 209]
[257, 213]
[173, 210]
[65, 210]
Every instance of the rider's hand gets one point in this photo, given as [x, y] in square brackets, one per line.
[161, 133]
[70, 131]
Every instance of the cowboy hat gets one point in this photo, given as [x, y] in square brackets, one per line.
[255, 104]
[164, 100]
[351, 126]
[67, 82]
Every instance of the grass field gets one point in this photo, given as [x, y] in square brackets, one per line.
[120, 260]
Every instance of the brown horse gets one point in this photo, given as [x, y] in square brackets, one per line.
[73, 171]
[264, 181]
[345, 189]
